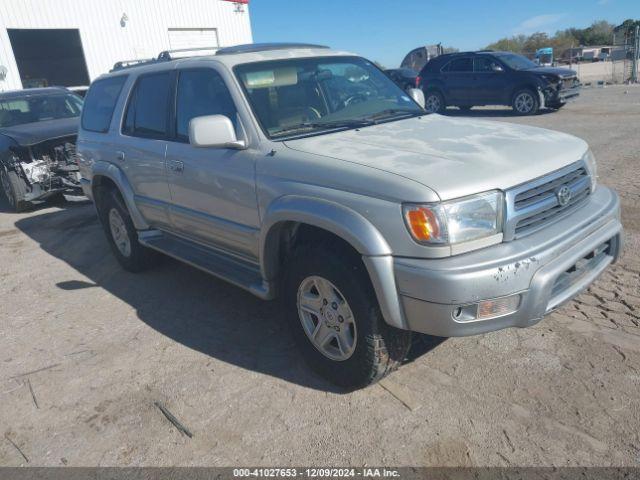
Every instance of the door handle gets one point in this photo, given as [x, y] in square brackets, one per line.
[120, 156]
[176, 166]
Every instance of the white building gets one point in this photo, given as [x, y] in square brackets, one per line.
[70, 42]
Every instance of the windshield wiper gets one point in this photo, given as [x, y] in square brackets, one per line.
[350, 123]
[392, 113]
[310, 126]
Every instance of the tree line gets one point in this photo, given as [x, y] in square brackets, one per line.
[599, 32]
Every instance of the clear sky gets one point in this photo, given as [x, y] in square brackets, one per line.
[387, 30]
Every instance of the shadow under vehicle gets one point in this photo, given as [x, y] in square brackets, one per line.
[192, 308]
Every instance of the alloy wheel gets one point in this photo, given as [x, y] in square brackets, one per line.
[119, 233]
[524, 102]
[432, 104]
[326, 318]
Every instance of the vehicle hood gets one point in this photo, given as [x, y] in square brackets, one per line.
[452, 156]
[32, 133]
[560, 72]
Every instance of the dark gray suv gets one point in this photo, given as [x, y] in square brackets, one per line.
[473, 79]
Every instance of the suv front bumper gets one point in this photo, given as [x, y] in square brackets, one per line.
[547, 269]
[551, 96]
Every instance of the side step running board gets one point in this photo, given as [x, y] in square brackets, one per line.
[233, 270]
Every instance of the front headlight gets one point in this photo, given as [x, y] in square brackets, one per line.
[455, 221]
[590, 160]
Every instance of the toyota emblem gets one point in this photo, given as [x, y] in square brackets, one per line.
[564, 196]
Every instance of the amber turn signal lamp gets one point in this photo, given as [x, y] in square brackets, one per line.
[423, 224]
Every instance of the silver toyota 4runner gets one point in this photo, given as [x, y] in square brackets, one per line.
[303, 173]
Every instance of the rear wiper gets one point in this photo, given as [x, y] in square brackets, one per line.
[307, 126]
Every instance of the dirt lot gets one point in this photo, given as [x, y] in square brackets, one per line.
[86, 350]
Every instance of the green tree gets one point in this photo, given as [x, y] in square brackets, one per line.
[626, 30]
[509, 44]
[536, 41]
[599, 32]
[562, 41]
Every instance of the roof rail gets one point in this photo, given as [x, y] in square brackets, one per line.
[166, 54]
[133, 63]
[264, 47]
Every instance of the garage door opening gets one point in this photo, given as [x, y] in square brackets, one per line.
[189, 38]
[48, 57]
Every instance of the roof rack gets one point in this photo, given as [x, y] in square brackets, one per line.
[167, 55]
[264, 47]
[164, 56]
[132, 63]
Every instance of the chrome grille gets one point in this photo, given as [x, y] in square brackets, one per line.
[535, 204]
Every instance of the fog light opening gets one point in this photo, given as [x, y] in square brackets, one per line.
[457, 312]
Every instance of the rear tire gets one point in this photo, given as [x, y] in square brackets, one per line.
[122, 234]
[362, 348]
[434, 102]
[525, 102]
[14, 190]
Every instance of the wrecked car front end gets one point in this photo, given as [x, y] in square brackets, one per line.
[38, 135]
[50, 168]
[45, 169]
[556, 90]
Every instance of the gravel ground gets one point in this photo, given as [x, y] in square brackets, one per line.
[86, 350]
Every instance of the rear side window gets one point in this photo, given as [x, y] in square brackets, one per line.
[201, 92]
[147, 112]
[484, 64]
[459, 65]
[100, 102]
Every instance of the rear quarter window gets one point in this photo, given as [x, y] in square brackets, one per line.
[459, 65]
[100, 103]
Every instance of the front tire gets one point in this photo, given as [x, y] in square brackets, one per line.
[14, 190]
[434, 102]
[333, 313]
[525, 102]
[122, 234]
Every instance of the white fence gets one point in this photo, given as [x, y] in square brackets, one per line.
[613, 72]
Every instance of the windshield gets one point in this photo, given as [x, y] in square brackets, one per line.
[38, 108]
[517, 62]
[313, 95]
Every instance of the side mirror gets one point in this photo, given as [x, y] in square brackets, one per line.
[417, 95]
[214, 131]
[496, 68]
